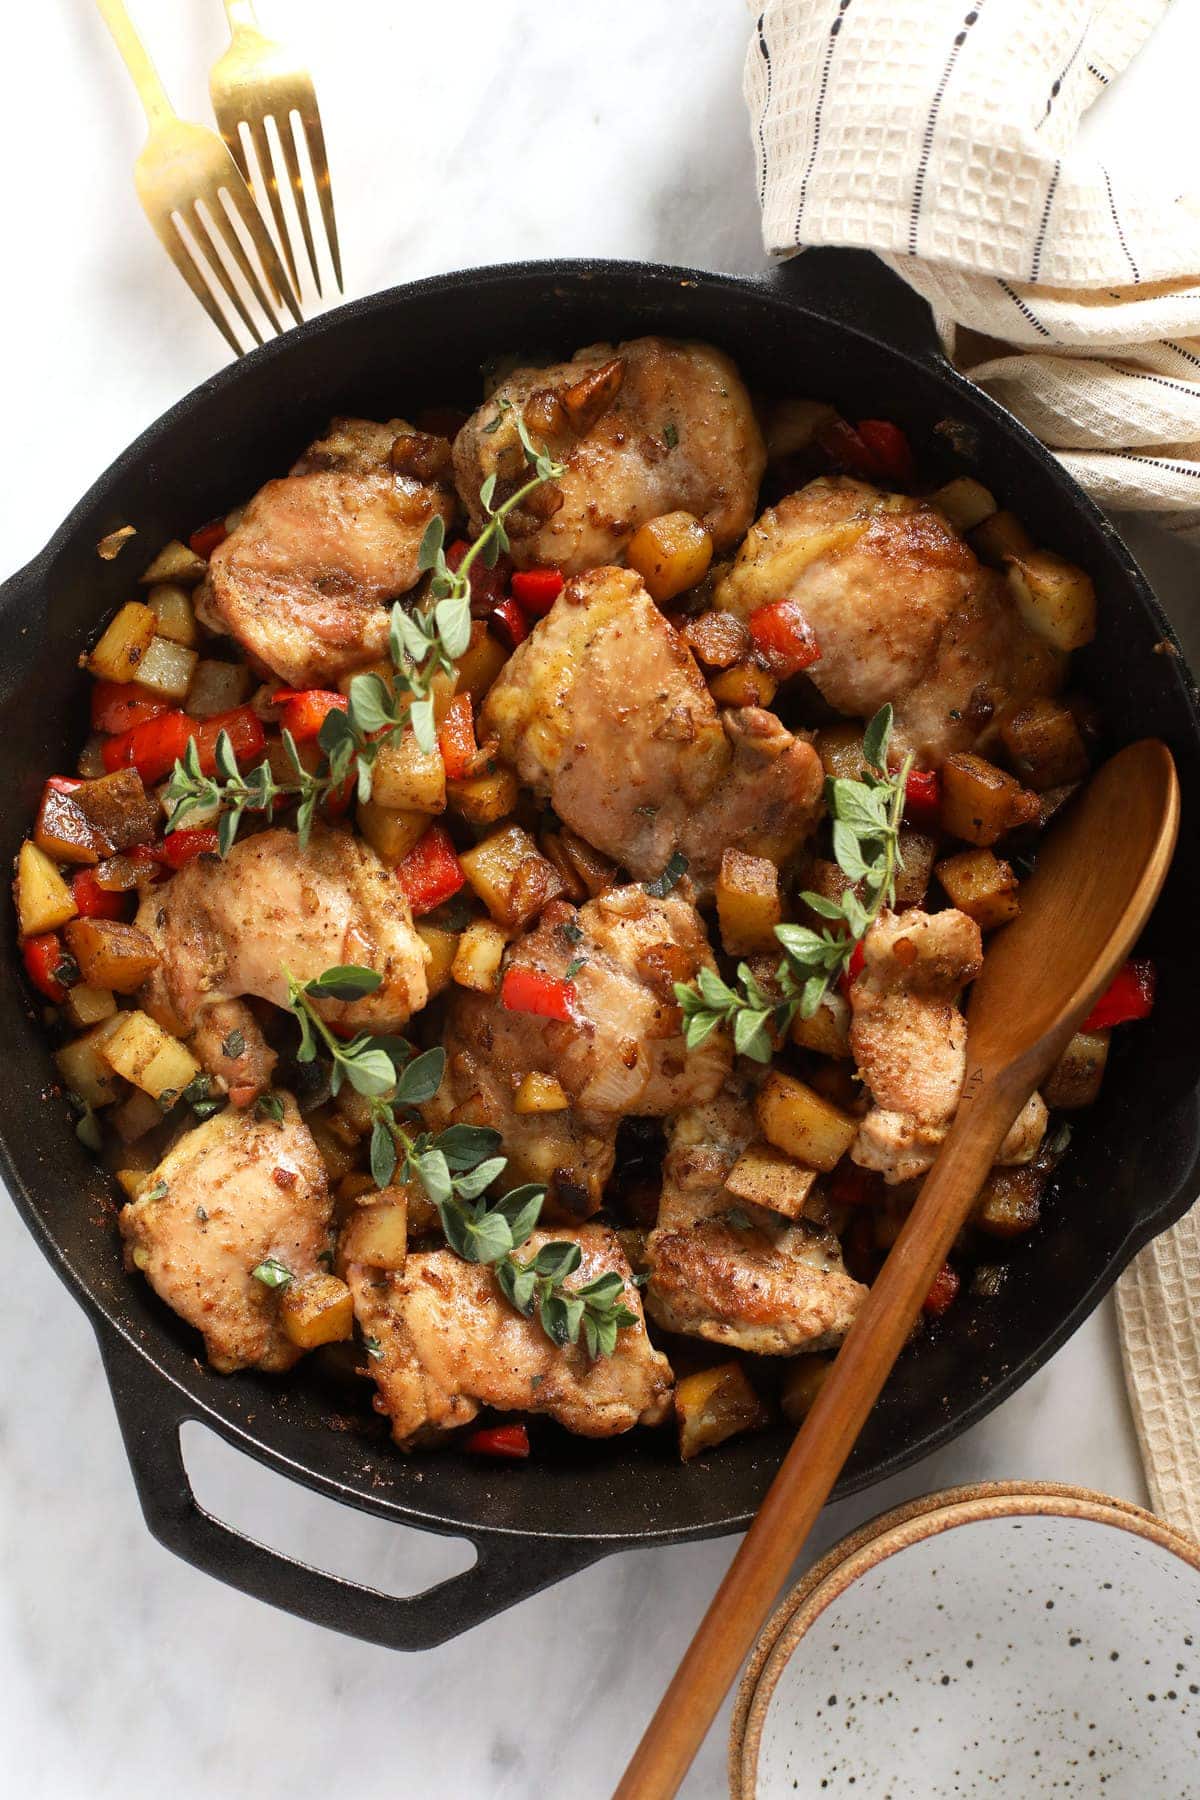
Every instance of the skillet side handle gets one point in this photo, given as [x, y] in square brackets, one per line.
[150, 1414]
[854, 288]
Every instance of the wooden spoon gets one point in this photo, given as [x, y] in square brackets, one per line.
[1097, 878]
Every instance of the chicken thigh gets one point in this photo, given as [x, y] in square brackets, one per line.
[652, 427]
[303, 580]
[901, 610]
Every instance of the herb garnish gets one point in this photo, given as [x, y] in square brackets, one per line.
[159, 1191]
[234, 1045]
[672, 875]
[273, 1274]
[866, 818]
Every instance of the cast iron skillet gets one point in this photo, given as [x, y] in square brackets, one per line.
[834, 325]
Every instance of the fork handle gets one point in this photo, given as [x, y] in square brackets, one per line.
[150, 89]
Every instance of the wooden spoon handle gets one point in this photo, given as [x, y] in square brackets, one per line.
[825, 1440]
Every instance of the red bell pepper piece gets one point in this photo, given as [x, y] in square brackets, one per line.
[1130, 995]
[65, 784]
[892, 453]
[154, 748]
[487, 585]
[205, 541]
[338, 800]
[853, 969]
[246, 737]
[943, 1293]
[431, 872]
[923, 798]
[532, 991]
[508, 1441]
[94, 902]
[536, 590]
[784, 636]
[120, 705]
[509, 623]
[46, 963]
[306, 710]
[456, 739]
[184, 846]
[844, 447]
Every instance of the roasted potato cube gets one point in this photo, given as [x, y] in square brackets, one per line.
[828, 1031]
[982, 886]
[480, 662]
[133, 1182]
[717, 639]
[44, 900]
[749, 906]
[149, 1057]
[1055, 599]
[217, 687]
[766, 1177]
[118, 655]
[443, 948]
[593, 868]
[1000, 536]
[799, 1122]
[540, 1094]
[965, 502]
[118, 809]
[550, 844]
[670, 553]
[792, 425]
[175, 562]
[88, 1005]
[511, 876]
[1075, 1079]
[63, 830]
[917, 853]
[176, 616]
[478, 956]
[136, 1117]
[166, 669]
[745, 684]
[483, 799]
[1009, 1202]
[377, 1234]
[337, 1142]
[317, 1310]
[840, 748]
[407, 776]
[715, 1404]
[391, 831]
[110, 953]
[84, 1068]
[803, 1382]
[980, 802]
[1043, 743]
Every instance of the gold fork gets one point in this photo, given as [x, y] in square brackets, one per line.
[255, 81]
[186, 178]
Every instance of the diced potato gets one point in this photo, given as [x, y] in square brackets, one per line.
[717, 639]
[442, 689]
[540, 1094]
[793, 424]
[166, 669]
[443, 949]
[483, 799]
[118, 655]
[980, 802]
[1044, 744]
[480, 662]
[803, 1382]
[511, 876]
[175, 562]
[84, 1068]
[217, 687]
[136, 1116]
[593, 868]
[1075, 1079]
[88, 1005]
[745, 684]
[118, 809]
[90, 762]
[1000, 536]
[828, 1031]
[749, 905]
[377, 1235]
[670, 553]
[149, 1057]
[799, 1122]
[317, 1310]
[715, 1404]
[840, 748]
[766, 1177]
[550, 844]
[965, 502]
[478, 956]
[354, 1189]
[391, 831]
[982, 886]
[337, 1143]
[1009, 1202]
[355, 1109]
[44, 900]
[172, 608]
[408, 777]
[917, 853]
[1055, 599]
[111, 954]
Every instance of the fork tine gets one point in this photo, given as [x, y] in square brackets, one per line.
[287, 144]
[210, 218]
[176, 247]
[242, 201]
[310, 118]
[256, 128]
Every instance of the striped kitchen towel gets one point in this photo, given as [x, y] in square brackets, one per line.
[939, 133]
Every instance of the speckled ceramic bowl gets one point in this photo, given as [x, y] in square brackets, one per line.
[1010, 1639]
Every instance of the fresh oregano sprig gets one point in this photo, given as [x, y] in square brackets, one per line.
[866, 819]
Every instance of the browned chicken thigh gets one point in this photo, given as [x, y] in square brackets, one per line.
[651, 427]
[234, 1192]
[303, 580]
[901, 610]
[604, 712]
[449, 1342]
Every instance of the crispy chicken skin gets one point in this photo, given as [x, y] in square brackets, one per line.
[238, 1190]
[230, 928]
[651, 427]
[450, 1342]
[604, 712]
[901, 610]
[303, 581]
[736, 1274]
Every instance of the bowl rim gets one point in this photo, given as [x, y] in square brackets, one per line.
[913, 1522]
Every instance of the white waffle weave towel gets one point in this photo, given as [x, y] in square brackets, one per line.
[939, 133]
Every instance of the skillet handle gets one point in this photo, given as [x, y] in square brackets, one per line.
[854, 288]
[150, 1413]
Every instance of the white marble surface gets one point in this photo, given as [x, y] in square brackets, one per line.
[459, 133]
